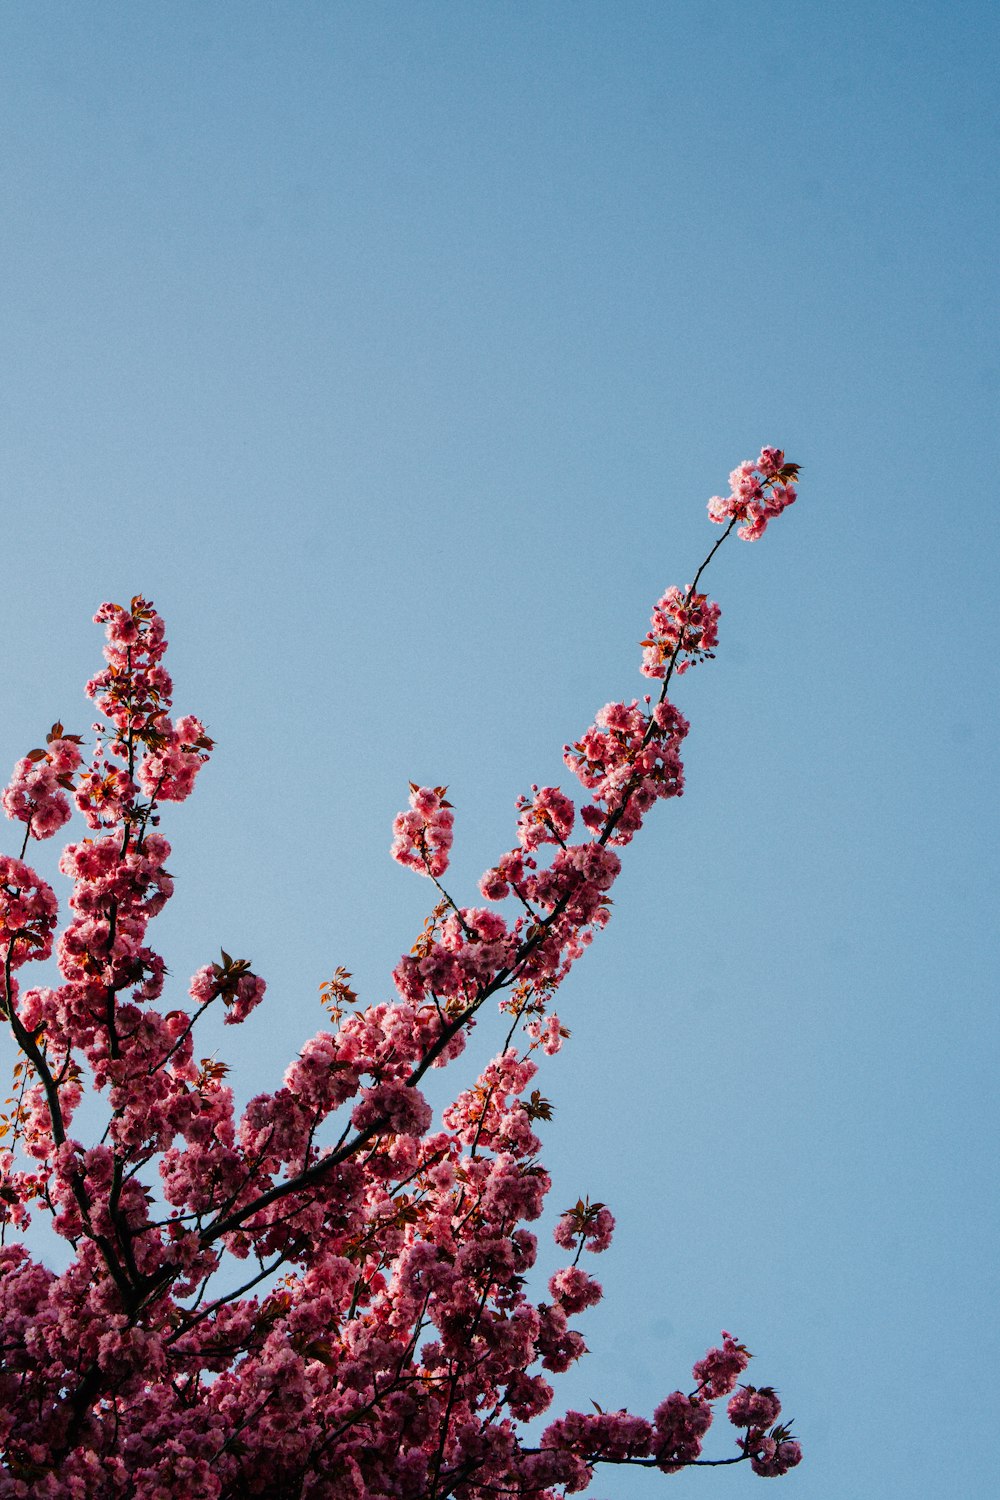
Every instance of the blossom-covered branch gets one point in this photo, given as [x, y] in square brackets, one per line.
[383, 1339]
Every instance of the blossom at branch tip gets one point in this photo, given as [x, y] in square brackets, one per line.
[28, 911]
[36, 792]
[546, 817]
[718, 1372]
[588, 1224]
[423, 835]
[773, 1454]
[760, 489]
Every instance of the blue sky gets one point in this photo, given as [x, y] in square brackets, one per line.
[394, 350]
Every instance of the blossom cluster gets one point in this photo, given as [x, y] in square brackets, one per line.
[628, 759]
[325, 1292]
[28, 910]
[770, 1445]
[423, 833]
[683, 629]
[675, 1436]
[145, 750]
[759, 490]
[36, 793]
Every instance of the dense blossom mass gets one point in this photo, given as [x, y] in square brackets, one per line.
[326, 1292]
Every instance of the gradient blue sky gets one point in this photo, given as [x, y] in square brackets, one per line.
[394, 350]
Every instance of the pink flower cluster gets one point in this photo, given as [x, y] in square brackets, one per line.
[423, 835]
[628, 759]
[680, 1423]
[28, 911]
[760, 489]
[240, 990]
[548, 1033]
[471, 947]
[771, 1452]
[383, 1338]
[36, 793]
[146, 750]
[546, 817]
[589, 1437]
[683, 630]
[105, 793]
[585, 1226]
[719, 1371]
[754, 1408]
[674, 1438]
[174, 759]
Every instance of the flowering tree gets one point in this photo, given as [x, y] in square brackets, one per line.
[326, 1294]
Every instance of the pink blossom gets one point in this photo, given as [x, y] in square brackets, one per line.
[773, 1457]
[36, 793]
[423, 836]
[28, 910]
[754, 1408]
[680, 1422]
[683, 629]
[104, 794]
[574, 1289]
[614, 1435]
[395, 1106]
[587, 1224]
[168, 770]
[545, 818]
[548, 1033]
[718, 1372]
[759, 490]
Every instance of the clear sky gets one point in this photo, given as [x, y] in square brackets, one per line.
[394, 350]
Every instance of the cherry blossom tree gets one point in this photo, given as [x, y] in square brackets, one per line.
[328, 1293]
